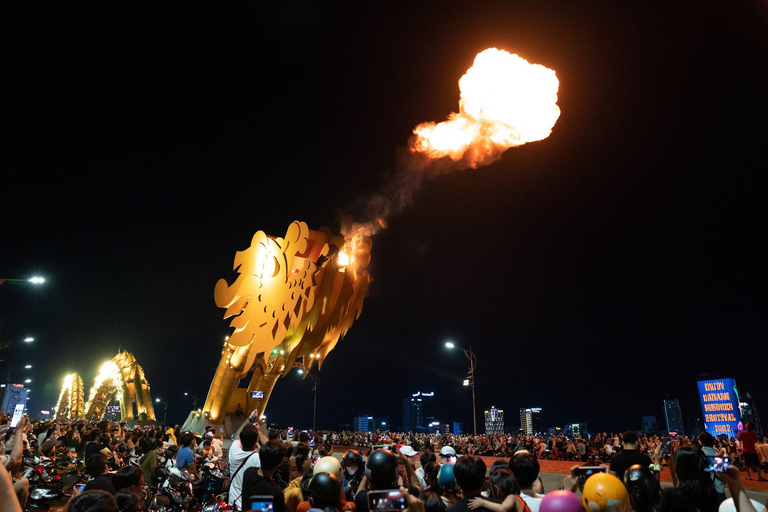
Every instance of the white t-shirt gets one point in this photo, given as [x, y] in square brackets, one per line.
[533, 503]
[236, 455]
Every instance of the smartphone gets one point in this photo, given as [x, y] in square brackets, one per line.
[263, 503]
[665, 448]
[716, 464]
[80, 487]
[583, 472]
[392, 499]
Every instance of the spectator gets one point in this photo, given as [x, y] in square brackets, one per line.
[629, 456]
[96, 466]
[255, 484]
[695, 483]
[325, 492]
[185, 456]
[447, 482]
[505, 492]
[425, 458]
[707, 442]
[382, 465]
[129, 478]
[525, 467]
[748, 441]
[242, 455]
[128, 501]
[470, 477]
[93, 501]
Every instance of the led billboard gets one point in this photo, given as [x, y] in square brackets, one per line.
[720, 407]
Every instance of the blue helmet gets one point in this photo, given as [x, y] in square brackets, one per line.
[445, 478]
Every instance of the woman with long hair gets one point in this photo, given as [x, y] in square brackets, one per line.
[503, 487]
[300, 462]
[431, 471]
[694, 484]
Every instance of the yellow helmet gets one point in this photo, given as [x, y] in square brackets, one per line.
[605, 493]
[330, 465]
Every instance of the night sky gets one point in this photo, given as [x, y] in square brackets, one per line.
[594, 273]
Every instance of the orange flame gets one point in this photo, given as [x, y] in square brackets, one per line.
[505, 101]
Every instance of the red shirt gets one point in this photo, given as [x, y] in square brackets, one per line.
[748, 440]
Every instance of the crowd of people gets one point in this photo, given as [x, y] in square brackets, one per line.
[434, 472]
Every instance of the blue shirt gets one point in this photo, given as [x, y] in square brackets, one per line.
[185, 458]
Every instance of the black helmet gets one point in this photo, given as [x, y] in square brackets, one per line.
[325, 488]
[383, 467]
[352, 457]
[643, 486]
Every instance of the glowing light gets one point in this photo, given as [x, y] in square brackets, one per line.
[301, 372]
[37, 280]
[28, 381]
[29, 340]
[505, 101]
[450, 344]
[28, 366]
[157, 400]
[466, 382]
[343, 259]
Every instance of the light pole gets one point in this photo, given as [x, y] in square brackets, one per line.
[194, 400]
[315, 380]
[471, 380]
[165, 409]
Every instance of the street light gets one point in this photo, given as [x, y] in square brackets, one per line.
[27, 381]
[194, 400]
[165, 410]
[28, 366]
[33, 280]
[470, 381]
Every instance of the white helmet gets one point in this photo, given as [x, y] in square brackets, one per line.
[329, 465]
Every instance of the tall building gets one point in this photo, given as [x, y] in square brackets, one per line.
[363, 423]
[494, 421]
[14, 394]
[749, 413]
[416, 411]
[649, 425]
[576, 430]
[458, 428]
[530, 420]
[674, 417]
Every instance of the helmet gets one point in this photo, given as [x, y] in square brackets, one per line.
[325, 489]
[445, 478]
[352, 458]
[643, 486]
[561, 501]
[383, 467]
[330, 465]
[603, 492]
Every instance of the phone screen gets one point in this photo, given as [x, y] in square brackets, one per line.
[584, 472]
[263, 503]
[665, 448]
[80, 487]
[392, 499]
[716, 464]
[17, 414]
